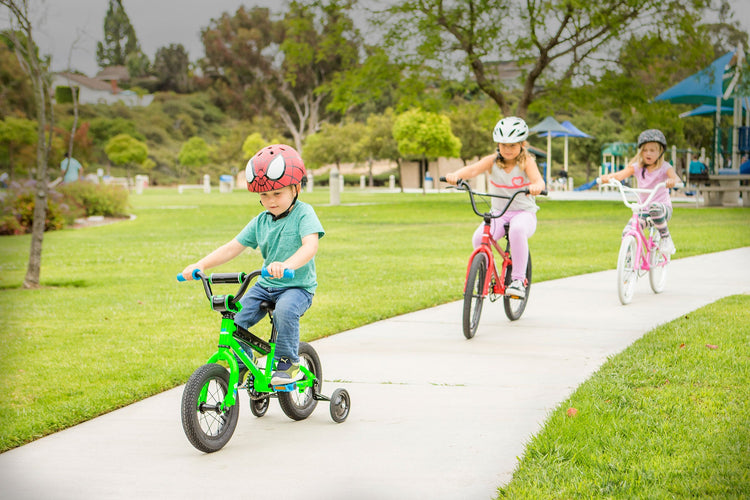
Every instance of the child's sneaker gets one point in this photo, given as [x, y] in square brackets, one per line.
[516, 289]
[667, 246]
[286, 372]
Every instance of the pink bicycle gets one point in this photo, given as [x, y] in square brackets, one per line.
[639, 250]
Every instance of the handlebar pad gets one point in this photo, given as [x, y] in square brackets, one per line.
[288, 273]
[195, 275]
[227, 278]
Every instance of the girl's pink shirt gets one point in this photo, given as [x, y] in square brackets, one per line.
[651, 179]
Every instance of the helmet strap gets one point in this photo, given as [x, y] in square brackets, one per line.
[291, 206]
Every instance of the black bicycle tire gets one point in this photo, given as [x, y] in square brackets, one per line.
[514, 313]
[287, 401]
[191, 414]
[473, 299]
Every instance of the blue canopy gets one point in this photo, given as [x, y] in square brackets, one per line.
[549, 124]
[572, 131]
[708, 109]
[702, 87]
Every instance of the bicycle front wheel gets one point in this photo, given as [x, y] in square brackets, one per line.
[299, 405]
[657, 274]
[473, 298]
[514, 308]
[207, 426]
[627, 272]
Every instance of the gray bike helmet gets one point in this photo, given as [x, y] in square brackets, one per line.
[510, 130]
[652, 135]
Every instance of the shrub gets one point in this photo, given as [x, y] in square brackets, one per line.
[96, 199]
[64, 205]
[17, 209]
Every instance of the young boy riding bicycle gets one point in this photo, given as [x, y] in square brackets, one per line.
[287, 234]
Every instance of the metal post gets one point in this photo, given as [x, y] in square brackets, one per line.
[335, 186]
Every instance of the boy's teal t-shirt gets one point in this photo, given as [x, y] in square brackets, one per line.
[278, 240]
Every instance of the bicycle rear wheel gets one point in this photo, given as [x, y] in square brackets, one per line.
[299, 405]
[627, 274]
[473, 298]
[514, 308]
[657, 275]
[206, 425]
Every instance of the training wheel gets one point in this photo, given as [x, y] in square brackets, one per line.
[340, 404]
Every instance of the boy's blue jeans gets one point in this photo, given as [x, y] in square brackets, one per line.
[291, 304]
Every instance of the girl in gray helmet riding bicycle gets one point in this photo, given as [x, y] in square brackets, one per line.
[650, 168]
[511, 167]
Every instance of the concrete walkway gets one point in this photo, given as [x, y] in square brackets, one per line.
[433, 415]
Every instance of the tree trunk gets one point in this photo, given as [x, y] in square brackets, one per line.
[29, 60]
[33, 270]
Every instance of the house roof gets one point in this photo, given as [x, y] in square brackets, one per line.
[86, 81]
[117, 73]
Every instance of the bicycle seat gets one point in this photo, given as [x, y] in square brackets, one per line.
[267, 306]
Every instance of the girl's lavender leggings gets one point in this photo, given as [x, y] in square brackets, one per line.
[522, 226]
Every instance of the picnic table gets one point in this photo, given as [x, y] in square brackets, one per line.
[725, 190]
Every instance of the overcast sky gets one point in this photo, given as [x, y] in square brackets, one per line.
[70, 29]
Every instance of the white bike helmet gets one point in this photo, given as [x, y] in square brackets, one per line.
[510, 130]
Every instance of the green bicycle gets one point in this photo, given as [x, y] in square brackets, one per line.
[210, 405]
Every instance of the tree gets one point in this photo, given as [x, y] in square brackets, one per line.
[260, 65]
[117, 29]
[14, 133]
[425, 135]
[553, 42]
[377, 142]
[123, 149]
[252, 144]
[334, 144]
[16, 94]
[171, 67]
[194, 153]
[27, 52]
[472, 123]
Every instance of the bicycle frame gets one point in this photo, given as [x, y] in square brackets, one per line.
[485, 247]
[645, 245]
[488, 242]
[228, 347]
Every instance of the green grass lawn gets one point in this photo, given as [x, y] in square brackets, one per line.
[111, 325]
[667, 418]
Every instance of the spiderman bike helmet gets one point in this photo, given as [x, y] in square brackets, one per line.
[274, 167]
[510, 130]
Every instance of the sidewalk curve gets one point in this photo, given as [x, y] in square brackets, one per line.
[433, 415]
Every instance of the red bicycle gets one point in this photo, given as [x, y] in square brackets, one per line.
[482, 276]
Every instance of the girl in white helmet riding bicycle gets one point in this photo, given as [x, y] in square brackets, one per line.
[511, 167]
[650, 168]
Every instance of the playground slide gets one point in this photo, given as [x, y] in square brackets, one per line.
[584, 187]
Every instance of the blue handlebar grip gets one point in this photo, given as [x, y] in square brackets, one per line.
[288, 273]
[195, 275]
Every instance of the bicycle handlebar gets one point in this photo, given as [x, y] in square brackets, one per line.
[462, 185]
[195, 275]
[243, 279]
[624, 190]
[288, 273]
